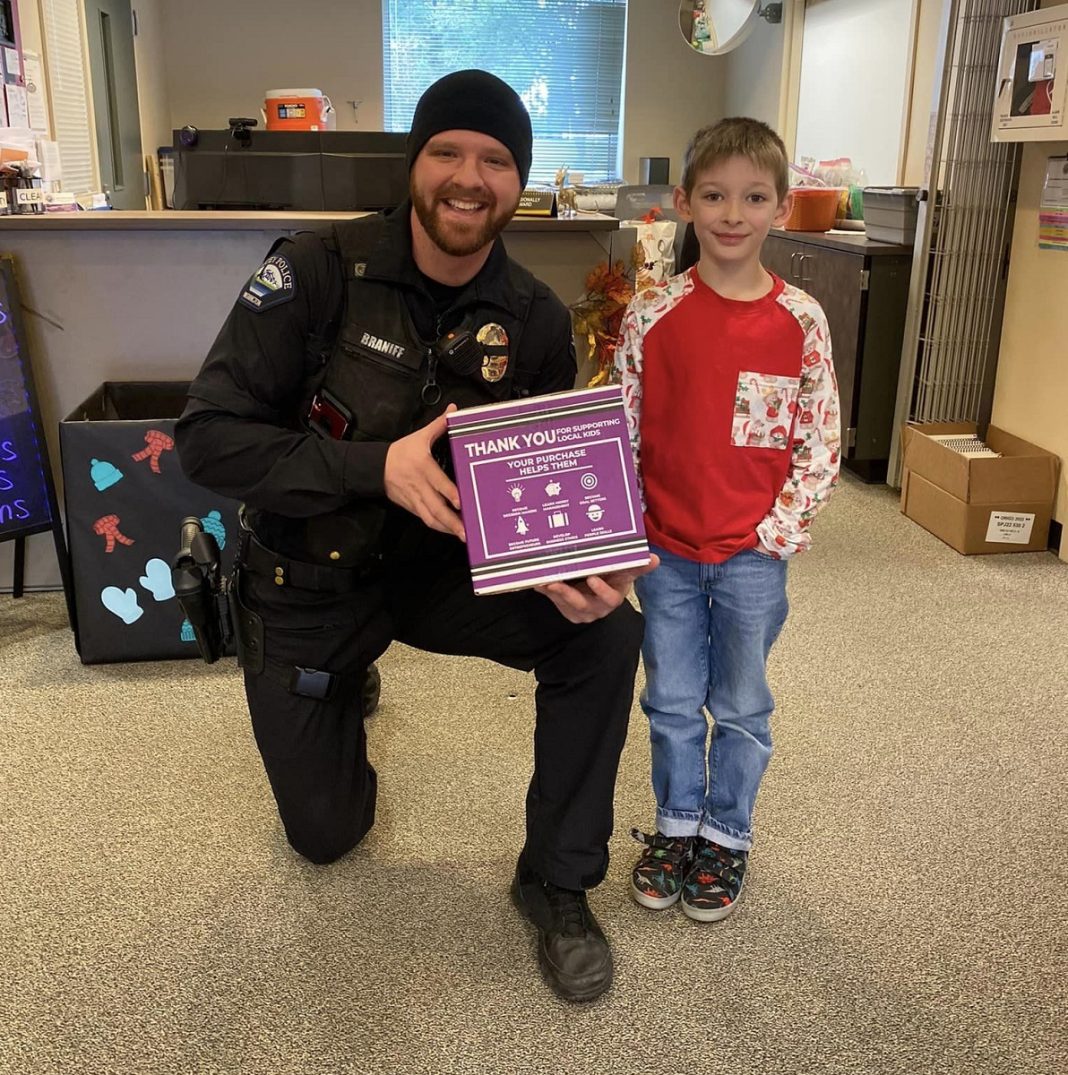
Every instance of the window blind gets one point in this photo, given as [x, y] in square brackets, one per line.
[64, 60]
[563, 57]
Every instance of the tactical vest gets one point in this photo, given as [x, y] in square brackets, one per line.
[381, 380]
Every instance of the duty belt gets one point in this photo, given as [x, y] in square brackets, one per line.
[285, 571]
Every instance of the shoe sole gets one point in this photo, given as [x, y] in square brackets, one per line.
[712, 914]
[575, 996]
[654, 903]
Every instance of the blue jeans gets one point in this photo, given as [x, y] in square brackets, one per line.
[708, 631]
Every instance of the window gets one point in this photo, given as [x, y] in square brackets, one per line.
[62, 29]
[563, 57]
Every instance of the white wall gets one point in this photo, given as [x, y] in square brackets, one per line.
[854, 82]
[670, 90]
[753, 74]
[222, 56]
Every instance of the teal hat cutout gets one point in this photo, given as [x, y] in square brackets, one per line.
[104, 474]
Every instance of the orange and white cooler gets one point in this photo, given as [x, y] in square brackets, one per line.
[297, 110]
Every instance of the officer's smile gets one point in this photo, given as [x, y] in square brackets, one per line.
[466, 206]
[463, 207]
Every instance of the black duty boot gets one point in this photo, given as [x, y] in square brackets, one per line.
[573, 952]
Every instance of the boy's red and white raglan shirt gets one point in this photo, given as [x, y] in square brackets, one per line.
[732, 409]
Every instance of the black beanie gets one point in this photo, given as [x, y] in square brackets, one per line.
[473, 101]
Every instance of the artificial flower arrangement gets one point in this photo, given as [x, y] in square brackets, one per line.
[598, 315]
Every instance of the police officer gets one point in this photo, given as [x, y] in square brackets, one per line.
[321, 406]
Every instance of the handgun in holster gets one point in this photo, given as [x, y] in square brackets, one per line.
[202, 590]
[221, 625]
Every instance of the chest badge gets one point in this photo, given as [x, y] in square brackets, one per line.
[494, 342]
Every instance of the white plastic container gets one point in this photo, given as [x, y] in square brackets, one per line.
[890, 214]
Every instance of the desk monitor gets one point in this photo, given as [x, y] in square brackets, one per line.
[364, 170]
[277, 170]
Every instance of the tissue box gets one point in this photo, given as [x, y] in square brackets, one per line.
[547, 489]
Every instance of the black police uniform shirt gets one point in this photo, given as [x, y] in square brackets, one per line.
[243, 433]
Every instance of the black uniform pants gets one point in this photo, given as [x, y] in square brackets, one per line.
[315, 751]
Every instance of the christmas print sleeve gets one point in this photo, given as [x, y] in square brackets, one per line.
[814, 465]
[628, 373]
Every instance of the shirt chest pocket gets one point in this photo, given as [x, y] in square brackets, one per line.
[764, 408]
[380, 383]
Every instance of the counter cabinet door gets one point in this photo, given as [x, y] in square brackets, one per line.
[780, 255]
[835, 279]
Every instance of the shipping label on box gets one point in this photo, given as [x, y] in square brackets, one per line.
[1012, 528]
[547, 489]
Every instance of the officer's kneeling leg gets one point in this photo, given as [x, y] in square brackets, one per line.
[306, 714]
[315, 755]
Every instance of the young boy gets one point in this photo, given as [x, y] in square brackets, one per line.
[733, 413]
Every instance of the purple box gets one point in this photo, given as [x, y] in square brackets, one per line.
[547, 489]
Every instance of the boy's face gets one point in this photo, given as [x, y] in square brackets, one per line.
[733, 205]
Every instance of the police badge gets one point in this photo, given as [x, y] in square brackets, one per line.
[494, 342]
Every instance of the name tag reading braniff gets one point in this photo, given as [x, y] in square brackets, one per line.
[547, 488]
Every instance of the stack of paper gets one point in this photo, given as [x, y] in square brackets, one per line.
[967, 444]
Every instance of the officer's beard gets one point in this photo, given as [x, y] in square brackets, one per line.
[457, 242]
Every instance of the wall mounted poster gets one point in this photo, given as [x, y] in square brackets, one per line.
[1053, 209]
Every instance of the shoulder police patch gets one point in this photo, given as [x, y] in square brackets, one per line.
[270, 285]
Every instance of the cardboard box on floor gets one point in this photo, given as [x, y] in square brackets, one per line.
[979, 504]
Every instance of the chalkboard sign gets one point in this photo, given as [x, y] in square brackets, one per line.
[27, 493]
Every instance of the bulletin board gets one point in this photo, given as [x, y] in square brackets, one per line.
[27, 491]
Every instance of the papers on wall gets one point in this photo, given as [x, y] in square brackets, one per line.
[1053, 208]
[11, 62]
[35, 95]
[18, 107]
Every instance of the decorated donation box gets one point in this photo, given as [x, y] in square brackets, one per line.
[547, 489]
[126, 497]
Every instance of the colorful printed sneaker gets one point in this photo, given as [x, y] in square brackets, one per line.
[657, 879]
[714, 883]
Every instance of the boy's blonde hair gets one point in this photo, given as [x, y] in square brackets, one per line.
[737, 136]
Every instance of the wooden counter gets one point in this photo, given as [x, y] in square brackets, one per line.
[853, 242]
[198, 220]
